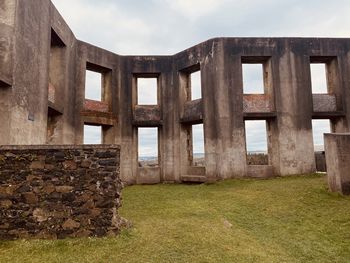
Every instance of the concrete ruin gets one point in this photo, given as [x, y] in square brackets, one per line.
[42, 97]
[338, 162]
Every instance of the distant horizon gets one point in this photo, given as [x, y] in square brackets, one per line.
[150, 157]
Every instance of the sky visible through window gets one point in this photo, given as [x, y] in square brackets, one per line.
[256, 136]
[147, 91]
[318, 78]
[92, 134]
[196, 88]
[319, 127]
[130, 28]
[198, 139]
[253, 79]
[93, 85]
[148, 142]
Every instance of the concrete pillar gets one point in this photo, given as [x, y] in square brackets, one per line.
[337, 148]
[293, 98]
[170, 142]
[27, 97]
[127, 133]
[223, 113]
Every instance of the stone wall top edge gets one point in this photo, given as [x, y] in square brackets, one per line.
[59, 147]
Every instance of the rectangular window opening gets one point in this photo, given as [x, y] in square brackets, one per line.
[54, 123]
[320, 127]
[147, 91]
[93, 85]
[56, 88]
[256, 142]
[253, 78]
[148, 155]
[92, 134]
[198, 150]
[56, 66]
[319, 81]
[195, 85]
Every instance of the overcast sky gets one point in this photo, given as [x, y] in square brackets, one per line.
[162, 27]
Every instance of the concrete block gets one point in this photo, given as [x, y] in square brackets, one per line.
[148, 175]
[337, 148]
[193, 179]
[260, 171]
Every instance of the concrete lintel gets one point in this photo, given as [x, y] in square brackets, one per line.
[259, 115]
[99, 120]
[328, 115]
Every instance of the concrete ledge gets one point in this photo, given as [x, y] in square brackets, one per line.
[96, 106]
[324, 103]
[260, 171]
[196, 170]
[256, 103]
[328, 115]
[193, 112]
[5, 82]
[147, 115]
[57, 108]
[98, 118]
[193, 178]
[337, 148]
[259, 115]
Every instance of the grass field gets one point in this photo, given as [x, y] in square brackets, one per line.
[280, 220]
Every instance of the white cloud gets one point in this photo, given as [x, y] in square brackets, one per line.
[194, 9]
[106, 25]
[169, 26]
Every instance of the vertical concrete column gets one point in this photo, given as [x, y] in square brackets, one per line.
[341, 125]
[294, 114]
[127, 133]
[169, 142]
[337, 148]
[28, 102]
[223, 113]
[336, 80]
[81, 58]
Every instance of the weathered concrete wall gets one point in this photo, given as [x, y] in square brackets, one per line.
[26, 29]
[59, 191]
[33, 31]
[320, 162]
[337, 148]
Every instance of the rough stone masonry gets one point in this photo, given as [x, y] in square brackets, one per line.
[58, 192]
[47, 104]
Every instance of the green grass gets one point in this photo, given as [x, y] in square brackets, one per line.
[291, 219]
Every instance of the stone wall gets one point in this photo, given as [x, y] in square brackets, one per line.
[59, 191]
